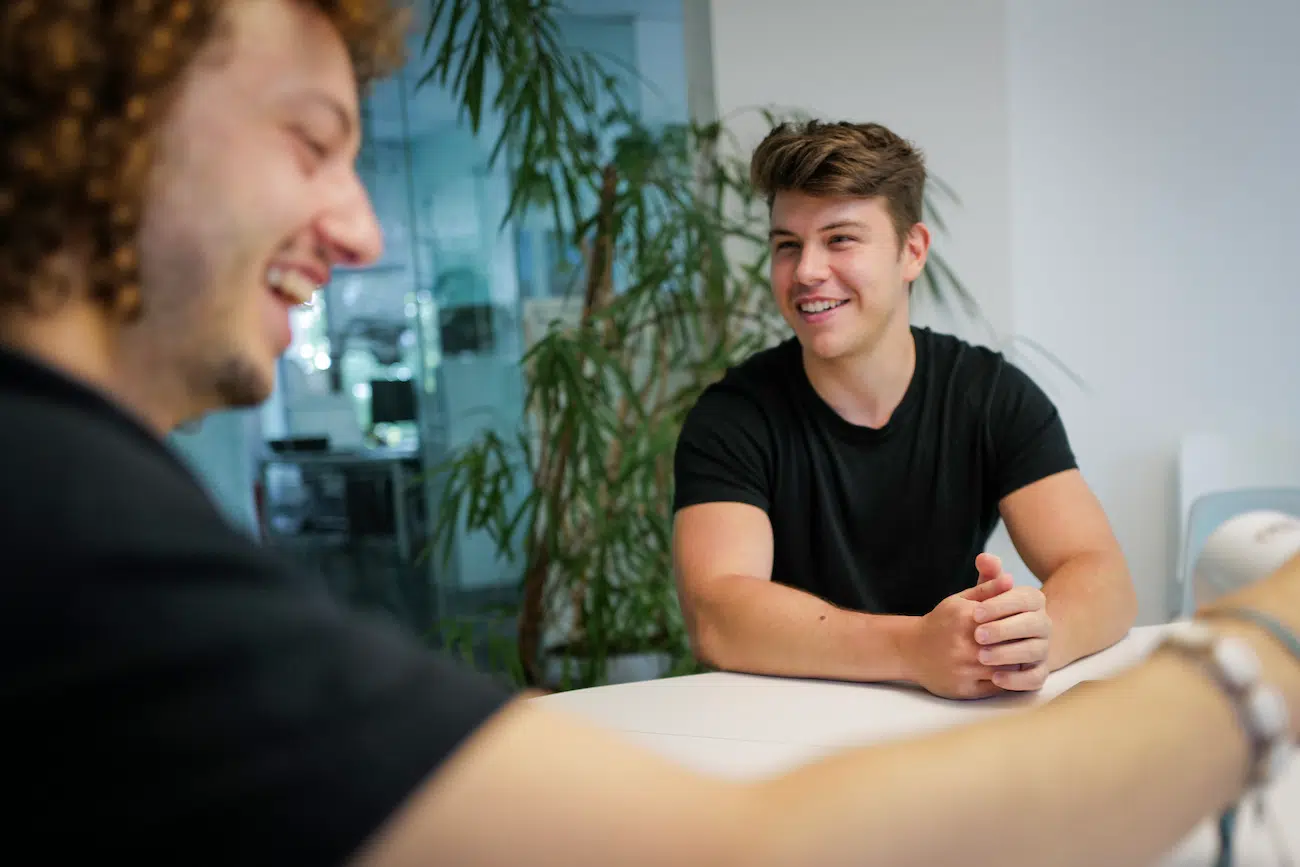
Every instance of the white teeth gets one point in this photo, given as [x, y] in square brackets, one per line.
[293, 284]
[818, 306]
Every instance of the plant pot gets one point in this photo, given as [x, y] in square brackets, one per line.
[619, 668]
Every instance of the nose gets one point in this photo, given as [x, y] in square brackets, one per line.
[813, 267]
[350, 228]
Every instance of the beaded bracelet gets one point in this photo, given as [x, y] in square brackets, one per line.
[1228, 821]
[1261, 709]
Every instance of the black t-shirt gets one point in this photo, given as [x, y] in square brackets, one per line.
[887, 520]
[169, 690]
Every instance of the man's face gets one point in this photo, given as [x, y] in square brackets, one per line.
[838, 274]
[254, 194]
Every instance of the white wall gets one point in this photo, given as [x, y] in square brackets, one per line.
[1130, 192]
[931, 70]
[1154, 201]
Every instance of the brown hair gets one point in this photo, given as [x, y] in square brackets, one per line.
[860, 160]
[83, 86]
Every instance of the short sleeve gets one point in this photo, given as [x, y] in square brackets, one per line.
[1026, 434]
[215, 704]
[724, 452]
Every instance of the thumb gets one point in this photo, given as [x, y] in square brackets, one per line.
[988, 588]
[989, 567]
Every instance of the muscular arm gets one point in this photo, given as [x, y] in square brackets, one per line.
[1056, 523]
[1061, 532]
[534, 787]
[740, 620]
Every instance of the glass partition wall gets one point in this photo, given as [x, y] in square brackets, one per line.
[408, 358]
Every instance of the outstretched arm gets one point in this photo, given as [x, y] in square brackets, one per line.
[534, 787]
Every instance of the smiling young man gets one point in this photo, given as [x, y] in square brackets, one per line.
[834, 493]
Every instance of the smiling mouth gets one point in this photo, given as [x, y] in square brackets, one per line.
[292, 286]
[808, 308]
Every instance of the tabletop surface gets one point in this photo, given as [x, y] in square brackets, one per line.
[747, 726]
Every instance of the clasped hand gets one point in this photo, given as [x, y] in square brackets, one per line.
[986, 639]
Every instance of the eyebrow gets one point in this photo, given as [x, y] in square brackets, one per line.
[838, 224]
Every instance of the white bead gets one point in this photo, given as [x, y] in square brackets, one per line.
[1268, 713]
[1263, 710]
[1237, 661]
[1191, 634]
[1242, 550]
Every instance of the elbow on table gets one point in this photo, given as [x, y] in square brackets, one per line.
[1128, 606]
[1125, 595]
[1115, 601]
[707, 638]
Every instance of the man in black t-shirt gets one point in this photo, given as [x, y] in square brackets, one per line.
[834, 493]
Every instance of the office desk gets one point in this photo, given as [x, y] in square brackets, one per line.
[745, 726]
[400, 468]
[359, 519]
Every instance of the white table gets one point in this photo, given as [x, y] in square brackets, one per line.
[747, 726]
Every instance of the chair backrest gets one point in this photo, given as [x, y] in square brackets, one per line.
[1222, 475]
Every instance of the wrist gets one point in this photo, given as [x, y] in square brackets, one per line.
[1279, 667]
[905, 636]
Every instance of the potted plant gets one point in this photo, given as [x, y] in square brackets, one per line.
[669, 291]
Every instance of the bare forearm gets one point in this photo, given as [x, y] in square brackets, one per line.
[747, 624]
[1163, 771]
[1092, 605]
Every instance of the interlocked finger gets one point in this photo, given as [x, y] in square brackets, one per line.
[1031, 624]
[1028, 651]
[1025, 680]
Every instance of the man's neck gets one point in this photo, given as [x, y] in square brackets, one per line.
[865, 389]
[77, 344]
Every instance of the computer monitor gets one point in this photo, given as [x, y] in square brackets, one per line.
[392, 401]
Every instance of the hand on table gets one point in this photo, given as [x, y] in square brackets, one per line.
[943, 653]
[1012, 629]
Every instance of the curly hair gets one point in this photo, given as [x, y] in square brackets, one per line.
[83, 85]
[860, 160]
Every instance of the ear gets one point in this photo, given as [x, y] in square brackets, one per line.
[916, 247]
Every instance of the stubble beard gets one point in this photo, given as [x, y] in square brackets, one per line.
[237, 382]
[191, 327]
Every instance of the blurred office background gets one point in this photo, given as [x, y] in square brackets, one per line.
[399, 363]
[1127, 203]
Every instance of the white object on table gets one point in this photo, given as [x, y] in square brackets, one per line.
[1242, 550]
[747, 726]
[1221, 474]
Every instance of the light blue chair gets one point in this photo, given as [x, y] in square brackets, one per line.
[1220, 476]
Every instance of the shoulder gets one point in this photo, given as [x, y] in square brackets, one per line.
[747, 405]
[99, 474]
[727, 447]
[954, 357]
[199, 652]
[986, 377]
[760, 385]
